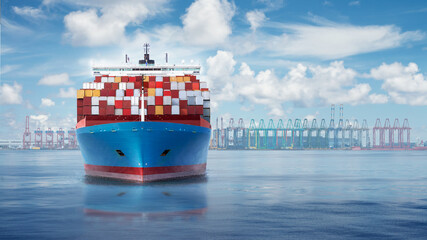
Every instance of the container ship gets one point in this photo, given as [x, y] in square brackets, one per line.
[144, 122]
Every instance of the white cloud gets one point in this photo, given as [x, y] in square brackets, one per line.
[10, 94]
[55, 80]
[404, 84]
[331, 40]
[28, 11]
[67, 93]
[8, 68]
[354, 3]
[208, 22]
[13, 28]
[6, 50]
[256, 18]
[327, 3]
[303, 85]
[40, 120]
[46, 102]
[105, 23]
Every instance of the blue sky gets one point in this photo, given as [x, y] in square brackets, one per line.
[262, 59]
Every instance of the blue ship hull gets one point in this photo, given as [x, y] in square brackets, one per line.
[144, 151]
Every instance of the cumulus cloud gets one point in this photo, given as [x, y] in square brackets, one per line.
[208, 22]
[404, 84]
[10, 94]
[255, 18]
[67, 93]
[55, 80]
[303, 85]
[28, 11]
[104, 23]
[331, 40]
[46, 102]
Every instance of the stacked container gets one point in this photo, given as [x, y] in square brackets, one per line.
[148, 96]
[176, 96]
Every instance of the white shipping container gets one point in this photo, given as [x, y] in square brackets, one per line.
[175, 101]
[203, 85]
[122, 86]
[120, 93]
[110, 79]
[199, 101]
[206, 95]
[183, 95]
[118, 112]
[151, 101]
[174, 85]
[145, 113]
[127, 98]
[181, 85]
[103, 98]
[159, 92]
[95, 101]
[137, 93]
[159, 79]
[134, 101]
[104, 79]
[111, 101]
[95, 110]
[119, 98]
[85, 85]
[190, 93]
[197, 93]
[206, 104]
[175, 110]
[130, 85]
[91, 85]
[191, 101]
[167, 100]
[134, 110]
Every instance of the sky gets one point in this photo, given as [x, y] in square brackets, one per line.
[262, 59]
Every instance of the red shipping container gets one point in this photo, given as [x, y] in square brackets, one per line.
[151, 84]
[204, 89]
[125, 79]
[115, 86]
[102, 104]
[159, 84]
[87, 101]
[151, 110]
[183, 111]
[126, 104]
[105, 92]
[191, 110]
[145, 84]
[140, 103]
[152, 78]
[167, 85]
[111, 93]
[175, 93]
[110, 110]
[188, 86]
[166, 93]
[138, 85]
[126, 111]
[145, 104]
[79, 102]
[159, 100]
[98, 79]
[138, 78]
[102, 111]
[87, 110]
[196, 86]
[80, 110]
[166, 79]
[118, 104]
[167, 110]
[108, 85]
[132, 79]
[129, 92]
[183, 103]
[193, 78]
[199, 110]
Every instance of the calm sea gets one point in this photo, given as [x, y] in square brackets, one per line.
[245, 195]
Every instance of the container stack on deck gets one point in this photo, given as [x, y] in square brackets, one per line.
[155, 98]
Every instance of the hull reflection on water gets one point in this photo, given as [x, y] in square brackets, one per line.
[179, 198]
